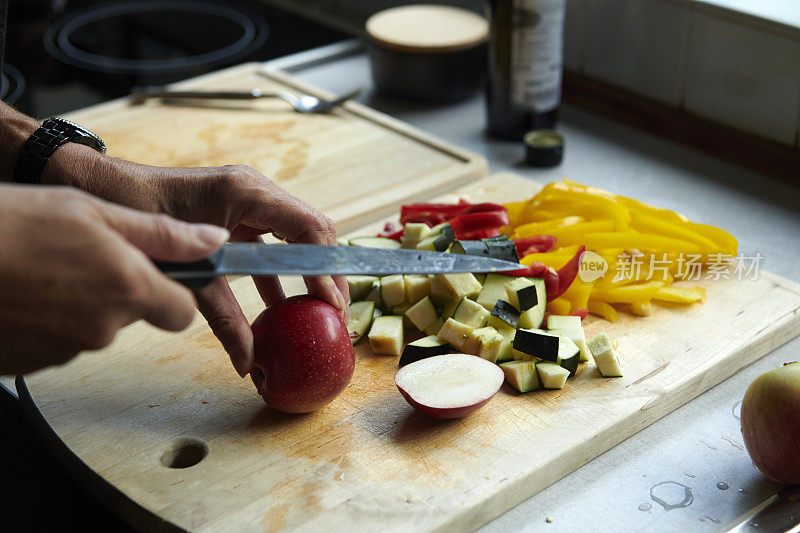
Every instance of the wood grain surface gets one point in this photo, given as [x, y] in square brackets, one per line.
[368, 461]
[348, 163]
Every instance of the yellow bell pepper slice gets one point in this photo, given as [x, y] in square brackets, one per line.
[665, 215]
[639, 241]
[680, 295]
[514, 211]
[604, 310]
[727, 243]
[555, 259]
[641, 308]
[559, 306]
[636, 292]
[578, 294]
[531, 229]
[574, 234]
[648, 224]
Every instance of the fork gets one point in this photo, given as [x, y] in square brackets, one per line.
[302, 103]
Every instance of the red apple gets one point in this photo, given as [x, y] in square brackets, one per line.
[771, 423]
[303, 354]
[449, 386]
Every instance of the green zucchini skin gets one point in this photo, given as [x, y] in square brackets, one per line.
[414, 352]
[445, 239]
[506, 312]
[537, 344]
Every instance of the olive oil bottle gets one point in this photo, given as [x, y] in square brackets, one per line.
[526, 43]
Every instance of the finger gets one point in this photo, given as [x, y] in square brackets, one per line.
[323, 287]
[269, 287]
[162, 237]
[225, 317]
[164, 303]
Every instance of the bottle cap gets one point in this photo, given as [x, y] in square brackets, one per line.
[543, 148]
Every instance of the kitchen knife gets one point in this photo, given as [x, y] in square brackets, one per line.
[317, 259]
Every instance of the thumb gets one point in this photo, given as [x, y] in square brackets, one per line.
[164, 238]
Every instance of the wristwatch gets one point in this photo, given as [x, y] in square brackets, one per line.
[43, 143]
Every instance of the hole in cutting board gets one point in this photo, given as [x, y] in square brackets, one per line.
[183, 453]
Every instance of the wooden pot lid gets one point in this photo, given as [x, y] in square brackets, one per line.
[427, 28]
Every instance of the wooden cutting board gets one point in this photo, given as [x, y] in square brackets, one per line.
[351, 162]
[368, 461]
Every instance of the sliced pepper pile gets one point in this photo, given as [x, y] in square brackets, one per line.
[469, 221]
[646, 248]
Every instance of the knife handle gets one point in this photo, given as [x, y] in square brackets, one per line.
[195, 275]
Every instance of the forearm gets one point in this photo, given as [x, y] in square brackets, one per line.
[15, 128]
[76, 165]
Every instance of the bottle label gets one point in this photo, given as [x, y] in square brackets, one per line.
[537, 40]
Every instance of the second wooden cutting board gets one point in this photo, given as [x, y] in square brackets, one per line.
[368, 461]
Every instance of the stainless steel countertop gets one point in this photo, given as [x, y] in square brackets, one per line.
[699, 445]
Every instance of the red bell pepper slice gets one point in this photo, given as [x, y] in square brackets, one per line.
[392, 230]
[442, 212]
[581, 312]
[534, 245]
[567, 274]
[466, 225]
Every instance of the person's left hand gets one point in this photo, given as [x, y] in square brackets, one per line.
[237, 197]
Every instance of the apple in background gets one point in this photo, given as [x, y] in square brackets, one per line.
[303, 354]
[449, 386]
[771, 423]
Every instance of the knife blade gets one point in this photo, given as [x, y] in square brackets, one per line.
[317, 259]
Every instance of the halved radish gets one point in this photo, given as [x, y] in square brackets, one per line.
[449, 386]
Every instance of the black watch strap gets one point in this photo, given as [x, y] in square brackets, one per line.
[53, 133]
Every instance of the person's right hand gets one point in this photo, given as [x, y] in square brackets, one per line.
[74, 269]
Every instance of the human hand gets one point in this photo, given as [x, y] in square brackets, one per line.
[74, 269]
[235, 197]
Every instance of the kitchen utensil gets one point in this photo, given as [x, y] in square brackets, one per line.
[302, 103]
[317, 259]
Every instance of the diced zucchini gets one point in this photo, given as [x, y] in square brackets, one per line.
[504, 249]
[435, 328]
[470, 313]
[360, 286]
[470, 248]
[400, 310]
[522, 375]
[571, 327]
[551, 375]
[455, 333]
[440, 291]
[506, 331]
[427, 243]
[532, 318]
[604, 356]
[374, 242]
[504, 351]
[422, 314]
[341, 242]
[417, 287]
[504, 315]
[386, 335]
[537, 343]
[423, 348]
[413, 234]
[393, 290]
[569, 355]
[563, 322]
[445, 238]
[522, 293]
[488, 343]
[449, 308]
[360, 320]
[494, 288]
[459, 285]
[374, 295]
